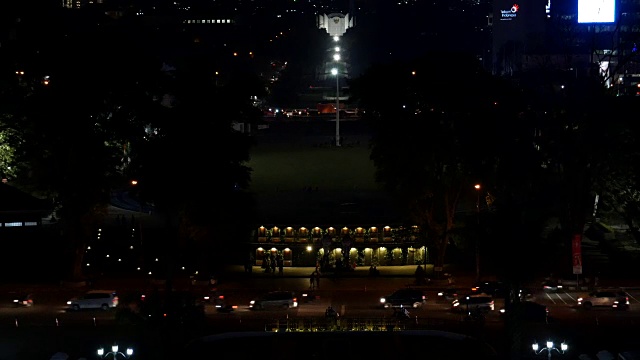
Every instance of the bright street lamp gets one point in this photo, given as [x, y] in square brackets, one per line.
[334, 72]
[114, 352]
[550, 347]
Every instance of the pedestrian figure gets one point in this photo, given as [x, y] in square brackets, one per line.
[272, 262]
[280, 266]
[312, 280]
[317, 276]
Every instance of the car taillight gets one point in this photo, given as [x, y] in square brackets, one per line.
[627, 300]
[295, 299]
[424, 297]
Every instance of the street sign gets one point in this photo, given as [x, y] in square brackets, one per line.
[576, 245]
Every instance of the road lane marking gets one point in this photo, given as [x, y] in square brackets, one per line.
[550, 298]
[631, 296]
[571, 297]
[559, 296]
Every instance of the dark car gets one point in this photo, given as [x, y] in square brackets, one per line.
[529, 311]
[176, 307]
[493, 288]
[23, 300]
[447, 295]
[404, 298]
[551, 286]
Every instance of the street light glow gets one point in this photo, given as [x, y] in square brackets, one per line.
[334, 71]
[549, 348]
[337, 49]
[336, 57]
[336, 38]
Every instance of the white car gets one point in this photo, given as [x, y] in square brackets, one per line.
[613, 298]
[94, 299]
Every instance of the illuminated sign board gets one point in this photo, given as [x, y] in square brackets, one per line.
[510, 14]
[596, 11]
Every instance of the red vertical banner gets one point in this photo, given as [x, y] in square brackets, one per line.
[576, 251]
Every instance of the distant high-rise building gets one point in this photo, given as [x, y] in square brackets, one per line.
[77, 4]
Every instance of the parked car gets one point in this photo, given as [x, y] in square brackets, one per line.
[530, 311]
[613, 298]
[94, 299]
[274, 300]
[467, 303]
[407, 297]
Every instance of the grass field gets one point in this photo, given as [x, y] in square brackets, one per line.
[341, 182]
[335, 169]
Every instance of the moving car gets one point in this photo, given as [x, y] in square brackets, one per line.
[483, 302]
[529, 311]
[404, 298]
[23, 300]
[174, 308]
[551, 286]
[493, 288]
[274, 300]
[613, 298]
[448, 295]
[94, 299]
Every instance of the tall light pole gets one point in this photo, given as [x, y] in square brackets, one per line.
[334, 72]
[477, 187]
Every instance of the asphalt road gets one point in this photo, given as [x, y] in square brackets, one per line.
[354, 298]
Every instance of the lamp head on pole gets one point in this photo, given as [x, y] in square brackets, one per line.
[477, 186]
[334, 71]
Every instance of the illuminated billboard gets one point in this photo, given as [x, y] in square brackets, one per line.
[596, 11]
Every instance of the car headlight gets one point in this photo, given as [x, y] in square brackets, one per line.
[580, 299]
[68, 302]
[440, 293]
[383, 300]
[252, 302]
[502, 311]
